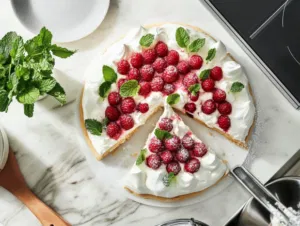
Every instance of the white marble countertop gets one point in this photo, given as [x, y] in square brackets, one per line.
[49, 153]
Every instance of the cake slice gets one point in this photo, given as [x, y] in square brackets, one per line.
[174, 163]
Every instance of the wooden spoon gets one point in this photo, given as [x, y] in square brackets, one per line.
[12, 180]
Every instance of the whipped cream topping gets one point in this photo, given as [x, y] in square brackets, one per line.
[243, 109]
[144, 180]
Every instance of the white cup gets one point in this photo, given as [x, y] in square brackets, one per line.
[4, 147]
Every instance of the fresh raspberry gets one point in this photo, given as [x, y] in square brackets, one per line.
[153, 161]
[190, 107]
[112, 113]
[173, 143]
[225, 108]
[126, 122]
[216, 73]
[166, 157]
[182, 155]
[190, 79]
[173, 167]
[147, 72]
[128, 105]
[208, 107]
[183, 67]
[208, 85]
[192, 166]
[157, 84]
[143, 107]
[194, 96]
[159, 65]
[114, 98]
[187, 142]
[113, 130]
[173, 57]
[137, 60]
[224, 122]
[168, 89]
[199, 149]
[155, 145]
[196, 62]
[123, 67]
[219, 95]
[161, 49]
[134, 74]
[170, 75]
[145, 88]
[166, 124]
[121, 82]
[149, 56]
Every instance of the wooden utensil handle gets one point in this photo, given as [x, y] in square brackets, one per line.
[45, 214]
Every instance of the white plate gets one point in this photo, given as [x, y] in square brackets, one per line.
[68, 20]
[112, 170]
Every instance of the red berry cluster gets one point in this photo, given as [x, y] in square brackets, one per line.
[175, 152]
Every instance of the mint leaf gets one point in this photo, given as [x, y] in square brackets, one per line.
[6, 44]
[17, 50]
[168, 178]
[211, 54]
[237, 87]
[173, 99]
[58, 93]
[194, 88]
[93, 126]
[162, 134]
[39, 43]
[22, 72]
[28, 110]
[29, 95]
[141, 158]
[104, 89]
[61, 52]
[109, 74]
[204, 74]
[4, 101]
[196, 45]
[129, 88]
[182, 37]
[104, 122]
[147, 40]
[46, 85]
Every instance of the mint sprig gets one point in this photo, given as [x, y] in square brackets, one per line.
[211, 54]
[104, 89]
[109, 74]
[182, 37]
[196, 45]
[168, 178]
[194, 88]
[173, 98]
[141, 158]
[26, 70]
[162, 134]
[93, 126]
[236, 87]
[146, 40]
[204, 74]
[129, 88]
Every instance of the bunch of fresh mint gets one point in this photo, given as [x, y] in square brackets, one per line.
[26, 69]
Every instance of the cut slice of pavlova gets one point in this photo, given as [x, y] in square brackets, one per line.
[174, 163]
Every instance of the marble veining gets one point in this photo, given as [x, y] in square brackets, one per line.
[53, 162]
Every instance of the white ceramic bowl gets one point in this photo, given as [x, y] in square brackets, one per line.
[3, 148]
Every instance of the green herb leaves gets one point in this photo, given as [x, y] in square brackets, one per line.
[146, 40]
[204, 74]
[26, 68]
[162, 134]
[173, 99]
[183, 40]
[194, 88]
[211, 54]
[236, 87]
[109, 74]
[168, 178]
[104, 89]
[182, 37]
[129, 88]
[93, 126]
[196, 45]
[141, 158]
